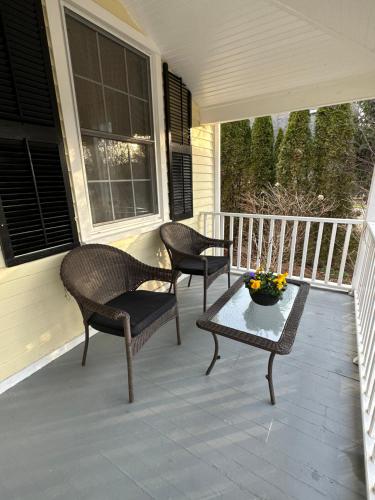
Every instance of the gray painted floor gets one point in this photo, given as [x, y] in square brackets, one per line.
[68, 433]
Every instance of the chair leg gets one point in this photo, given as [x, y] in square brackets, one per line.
[170, 287]
[87, 338]
[205, 294]
[190, 280]
[129, 360]
[228, 279]
[178, 329]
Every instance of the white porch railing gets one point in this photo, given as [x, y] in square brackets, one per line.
[290, 244]
[364, 297]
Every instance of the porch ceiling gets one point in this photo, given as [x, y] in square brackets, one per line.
[245, 58]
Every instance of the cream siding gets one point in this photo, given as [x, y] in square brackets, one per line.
[37, 317]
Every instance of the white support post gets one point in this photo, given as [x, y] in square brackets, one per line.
[217, 183]
[217, 167]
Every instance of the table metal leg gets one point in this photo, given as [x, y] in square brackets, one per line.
[216, 354]
[269, 378]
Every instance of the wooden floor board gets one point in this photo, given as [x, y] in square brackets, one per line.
[68, 432]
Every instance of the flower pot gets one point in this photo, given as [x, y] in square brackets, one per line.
[263, 299]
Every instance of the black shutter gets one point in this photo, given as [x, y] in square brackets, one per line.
[36, 215]
[177, 100]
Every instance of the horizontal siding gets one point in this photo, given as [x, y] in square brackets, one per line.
[203, 147]
[37, 316]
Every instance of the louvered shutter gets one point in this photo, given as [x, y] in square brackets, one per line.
[177, 100]
[35, 205]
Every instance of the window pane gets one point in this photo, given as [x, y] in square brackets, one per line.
[138, 74]
[90, 105]
[118, 160]
[94, 156]
[83, 49]
[141, 157]
[117, 112]
[112, 56]
[100, 202]
[122, 194]
[140, 118]
[143, 197]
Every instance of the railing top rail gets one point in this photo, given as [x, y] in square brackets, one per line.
[289, 217]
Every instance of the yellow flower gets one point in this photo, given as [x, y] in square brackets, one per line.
[255, 284]
[281, 278]
[280, 285]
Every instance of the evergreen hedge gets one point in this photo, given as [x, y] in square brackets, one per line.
[262, 156]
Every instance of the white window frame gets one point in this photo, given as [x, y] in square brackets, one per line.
[87, 9]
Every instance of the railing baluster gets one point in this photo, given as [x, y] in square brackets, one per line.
[317, 250]
[260, 242]
[371, 400]
[293, 248]
[249, 243]
[330, 252]
[368, 303]
[281, 246]
[222, 230]
[362, 281]
[239, 242]
[213, 233]
[305, 247]
[369, 337]
[205, 224]
[369, 372]
[231, 238]
[370, 314]
[270, 244]
[372, 423]
[344, 253]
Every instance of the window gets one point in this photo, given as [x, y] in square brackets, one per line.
[112, 86]
[36, 215]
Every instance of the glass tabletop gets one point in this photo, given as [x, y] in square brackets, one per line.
[241, 313]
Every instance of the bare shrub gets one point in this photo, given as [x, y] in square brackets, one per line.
[278, 200]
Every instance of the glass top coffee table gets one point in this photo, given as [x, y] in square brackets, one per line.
[271, 328]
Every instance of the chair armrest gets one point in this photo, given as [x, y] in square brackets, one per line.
[178, 256]
[102, 309]
[216, 243]
[150, 273]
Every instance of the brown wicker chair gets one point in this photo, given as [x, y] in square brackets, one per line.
[104, 281]
[184, 246]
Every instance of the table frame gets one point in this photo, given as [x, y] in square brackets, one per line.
[282, 346]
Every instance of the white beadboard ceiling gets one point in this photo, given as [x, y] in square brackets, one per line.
[253, 57]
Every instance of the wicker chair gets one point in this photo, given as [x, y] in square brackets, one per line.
[104, 281]
[184, 246]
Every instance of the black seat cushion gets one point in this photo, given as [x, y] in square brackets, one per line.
[192, 266]
[144, 308]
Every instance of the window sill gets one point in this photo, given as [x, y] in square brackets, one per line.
[109, 233]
